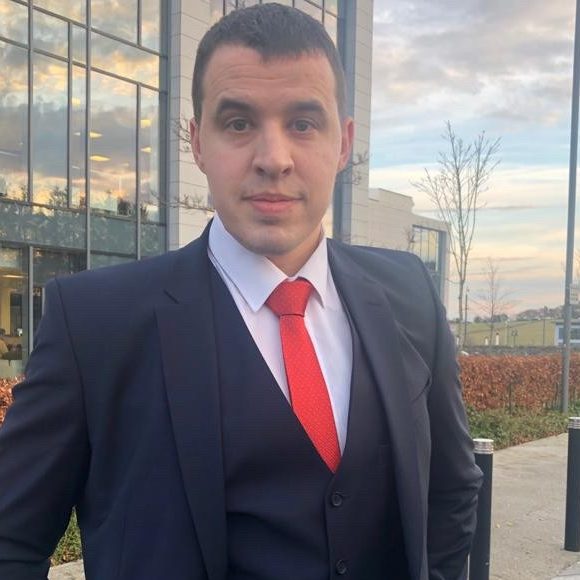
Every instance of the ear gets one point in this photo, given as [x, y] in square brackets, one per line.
[346, 143]
[195, 143]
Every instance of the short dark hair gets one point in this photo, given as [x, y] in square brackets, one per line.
[274, 31]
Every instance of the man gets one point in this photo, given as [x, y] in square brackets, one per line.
[206, 429]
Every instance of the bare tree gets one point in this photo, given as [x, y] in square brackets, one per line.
[493, 301]
[455, 189]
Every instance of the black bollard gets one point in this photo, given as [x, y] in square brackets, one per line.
[480, 551]
[572, 533]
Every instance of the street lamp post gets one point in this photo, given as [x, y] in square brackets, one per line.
[571, 215]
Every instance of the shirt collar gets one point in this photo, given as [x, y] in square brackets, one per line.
[254, 276]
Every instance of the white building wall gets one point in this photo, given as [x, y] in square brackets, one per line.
[189, 21]
[391, 221]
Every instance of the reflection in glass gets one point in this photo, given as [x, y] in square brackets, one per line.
[14, 21]
[152, 240]
[113, 145]
[78, 152]
[13, 122]
[49, 137]
[73, 9]
[150, 23]
[285, 2]
[104, 260]
[331, 5]
[13, 311]
[331, 25]
[47, 265]
[309, 9]
[118, 18]
[217, 10]
[37, 224]
[50, 34]
[149, 156]
[113, 234]
[124, 60]
[79, 44]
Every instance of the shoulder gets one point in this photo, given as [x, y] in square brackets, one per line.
[400, 268]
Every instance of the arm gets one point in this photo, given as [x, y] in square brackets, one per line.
[43, 450]
[454, 477]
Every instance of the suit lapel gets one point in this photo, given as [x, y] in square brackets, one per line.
[371, 312]
[191, 379]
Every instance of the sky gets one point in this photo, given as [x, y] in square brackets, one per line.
[499, 66]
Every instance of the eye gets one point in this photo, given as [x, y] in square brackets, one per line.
[302, 125]
[238, 125]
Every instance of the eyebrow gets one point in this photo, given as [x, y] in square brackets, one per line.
[307, 106]
[228, 104]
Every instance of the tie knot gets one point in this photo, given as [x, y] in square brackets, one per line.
[290, 298]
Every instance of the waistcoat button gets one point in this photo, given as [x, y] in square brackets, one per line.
[336, 499]
[341, 567]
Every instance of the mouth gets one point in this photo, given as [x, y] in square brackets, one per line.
[272, 203]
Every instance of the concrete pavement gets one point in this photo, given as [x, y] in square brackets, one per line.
[529, 486]
[528, 506]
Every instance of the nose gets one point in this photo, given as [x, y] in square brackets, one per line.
[273, 152]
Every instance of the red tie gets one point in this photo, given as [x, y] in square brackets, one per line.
[308, 392]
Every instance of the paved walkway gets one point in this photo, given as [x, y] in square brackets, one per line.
[528, 506]
[529, 486]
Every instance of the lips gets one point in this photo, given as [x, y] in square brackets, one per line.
[272, 203]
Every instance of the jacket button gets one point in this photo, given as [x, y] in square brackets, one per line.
[336, 499]
[341, 568]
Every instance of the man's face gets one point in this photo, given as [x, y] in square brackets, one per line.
[271, 142]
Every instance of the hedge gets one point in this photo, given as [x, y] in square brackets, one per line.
[489, 382]
[5, 396]
[509, 382]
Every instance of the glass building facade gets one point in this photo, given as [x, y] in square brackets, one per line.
[325, 11]
[429, 244]
[91, 163]
[82, 104]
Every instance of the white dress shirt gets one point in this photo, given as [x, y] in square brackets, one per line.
[251, 278]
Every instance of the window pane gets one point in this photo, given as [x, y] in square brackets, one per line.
[13, 122]
[78, 138]
[73, 9]
[217, 10]
[42, 225]
[331, 25]
[309, 9]
[47, 265]
[124, 60]
[14, 21]
[103, 260]
[113, 234]
[152, 240]
[13, 311]
[150, 23]
[116, 17]
[331, 5]
[50, 34]
[49, 137]
[79, 44]
[113, 145]
[149, 156]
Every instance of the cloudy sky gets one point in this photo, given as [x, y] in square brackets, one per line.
[503, 66]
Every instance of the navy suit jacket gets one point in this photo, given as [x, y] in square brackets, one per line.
[119, 416]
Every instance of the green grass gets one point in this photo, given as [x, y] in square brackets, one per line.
[523, 425]
[69, 547]
[529, 333]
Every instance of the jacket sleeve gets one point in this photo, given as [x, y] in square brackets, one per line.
[454, 478]
[43, 450]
